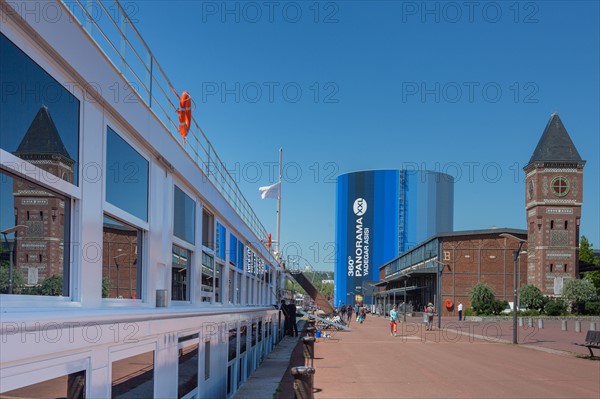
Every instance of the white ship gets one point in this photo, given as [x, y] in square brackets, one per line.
[132, 266]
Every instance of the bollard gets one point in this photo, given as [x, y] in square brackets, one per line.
[577, 326]
[592, 326]
[520, 322]
[309, 350]
[563, 325]
[303, 382]
[540, 323]
[530, 322]
[311, 331]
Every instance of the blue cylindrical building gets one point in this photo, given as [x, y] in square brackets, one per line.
[379, 215]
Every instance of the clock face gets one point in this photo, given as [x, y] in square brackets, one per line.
[530, 189]
[560, 186]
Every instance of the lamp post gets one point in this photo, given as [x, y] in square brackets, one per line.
[439, 289]
[515, 258]
[11, 249]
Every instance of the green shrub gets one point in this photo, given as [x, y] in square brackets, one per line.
[105, 287]
[555, 307]
[469, 312]
[531, 297]
[592, 308]
[482, 298]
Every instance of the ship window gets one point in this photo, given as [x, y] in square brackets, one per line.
[133, 376]
[121, 260]
[126, 176]
[180, 269]
[39, 122]
[187, 380]
[32, 242]
[206, 360]
[208, 265]
[243, 335]
[208, 230]
[71, 386]
[232, 352]
[184, 220]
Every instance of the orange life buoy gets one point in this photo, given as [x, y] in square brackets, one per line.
[185, 114]
[449, 304]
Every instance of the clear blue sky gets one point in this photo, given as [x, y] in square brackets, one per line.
[467, 91]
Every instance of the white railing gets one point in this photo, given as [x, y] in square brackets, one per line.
[108, 24]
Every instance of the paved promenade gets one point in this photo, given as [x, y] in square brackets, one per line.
[453, 362]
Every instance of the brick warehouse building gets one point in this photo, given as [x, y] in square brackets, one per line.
[456, 261]
[468, 257]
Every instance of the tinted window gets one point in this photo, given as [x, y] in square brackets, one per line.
[184, 223]
[126, 176]
[133, 377]
[70, 386]
[180, 261]
[188, 370]
[33, 259]
[39, 121]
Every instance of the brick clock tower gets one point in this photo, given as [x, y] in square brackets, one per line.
[553, 198]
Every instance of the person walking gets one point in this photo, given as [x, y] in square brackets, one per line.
[343, 312]
[430, 314]
[349, 314]
[393, 321]
[459, 311]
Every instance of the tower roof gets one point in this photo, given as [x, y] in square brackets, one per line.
[42, 137]
[555, 145]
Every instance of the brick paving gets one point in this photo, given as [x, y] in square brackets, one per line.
[453, 363]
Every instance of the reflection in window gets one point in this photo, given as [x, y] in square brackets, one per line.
[220, 241]
[238, 289]
[121, 260]
[180, 261]
[207, 277]
[233, 247]
[218, 274]
[70, 386]
[33, 259]
[126, 176]
[206, 360]
[231, 286]
[39, 121]
[184, 221]
[232, 344]
[208, 230]
[243, 335]
[188, 370]
[253, 337]
[133, 377]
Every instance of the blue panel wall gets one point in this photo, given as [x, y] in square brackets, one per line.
[367, 235]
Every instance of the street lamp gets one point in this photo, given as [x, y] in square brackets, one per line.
[439, 289]
[515, 258]
[11, 249]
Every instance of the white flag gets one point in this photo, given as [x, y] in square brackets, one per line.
[271, 191]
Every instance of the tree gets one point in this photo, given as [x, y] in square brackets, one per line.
[482, 298]
[586, 253]
[577, 292]
[594, 277]
[531, 297]
[18, 279]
